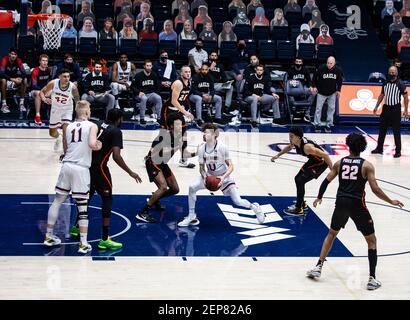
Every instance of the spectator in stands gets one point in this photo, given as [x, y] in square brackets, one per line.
[253, 5]
[291, 6]
[203, 91]
[79, 2]
[389, 9]
[208, 33]
[327, 83]
[122, 73]
[145, 87]
[177, 4]
[404, 40]
[316, 20]
[278, 19]
[405, 11]
[85, 12]
[187, 33]
[69, 31]
[145, 12]
[197, 56]
[324, 36]
[125, 13]
[168, 32]
[12, 77]
[40, 76]
[304, 36]
[120, 3]
[108, 31]
[397, 24]
[196, 3]
[217, 71]
[309, 7]
[97, 86]
[240, 60]
[238, 5]
[258, 90]
[128, 31]
[44, 6]
[74, 68]
[300, 73]
[260, 18]
[202, 16]
[166, 71]
[183, 15]
[147, 32]
[241, 18]
[251, 67]
[227, 33]
[87, 30]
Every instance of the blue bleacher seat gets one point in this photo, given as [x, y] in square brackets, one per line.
[108, 46]
[26, 44]
[67, 9]
[218, 13]
[267, 49]
[243, 31]
[87, 46]
[162, 12]
[210, 45]
[251, 46]
[129, 46]
[294, 18]
[285, 50]
[260, 32]
[307, 51]
[68, 45]
[405, 54]
[170, 46]
[185, 46]
[227, 48]
[280, 33]
[148, 47]
[324, 51]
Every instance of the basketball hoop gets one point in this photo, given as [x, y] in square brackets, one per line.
[52, 26]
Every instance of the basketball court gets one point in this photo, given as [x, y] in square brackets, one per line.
[228, 255]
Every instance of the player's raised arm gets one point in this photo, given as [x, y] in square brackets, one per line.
[329, 178]
[369, 172]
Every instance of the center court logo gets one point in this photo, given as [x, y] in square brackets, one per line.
[364, 101]
[256, 233]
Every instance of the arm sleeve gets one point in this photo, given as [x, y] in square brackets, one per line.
[323, 188]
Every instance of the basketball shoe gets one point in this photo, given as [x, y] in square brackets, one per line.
[316, 272]
[373, 284]
[294, 211]
[258, 212]
[143, 215]
[51, 240]
[84, 248]
[189, 220]
[109, 244]
[37, 119]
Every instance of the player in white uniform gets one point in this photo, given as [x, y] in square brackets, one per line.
[122, 72]
[63, 91]
[215, 156]
[81, 139]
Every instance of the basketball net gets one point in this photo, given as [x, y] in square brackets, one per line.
[52, 27]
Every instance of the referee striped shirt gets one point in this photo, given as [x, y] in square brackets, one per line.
[393, 91]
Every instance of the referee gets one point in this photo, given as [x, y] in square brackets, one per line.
[392, 91]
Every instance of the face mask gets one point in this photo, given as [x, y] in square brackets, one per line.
[163, 59]
[392, 77]
[241, 46]
[298, 66]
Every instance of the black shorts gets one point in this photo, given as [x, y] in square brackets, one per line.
[169, 116]
[355, 209]
[314, 169]
[154, 169]
[100, 180]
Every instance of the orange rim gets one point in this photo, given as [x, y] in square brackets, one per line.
[46, 16]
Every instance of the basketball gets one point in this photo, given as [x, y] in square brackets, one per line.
[211, 183]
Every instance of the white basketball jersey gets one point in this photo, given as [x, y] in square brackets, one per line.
[124, 74]
[78, 150]
[62, 98]
[214, 158]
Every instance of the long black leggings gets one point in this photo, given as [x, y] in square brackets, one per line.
[301, 179]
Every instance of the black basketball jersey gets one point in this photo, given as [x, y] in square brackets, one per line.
[300, 150]
[351, 181]
[110, 136]
[183, 96]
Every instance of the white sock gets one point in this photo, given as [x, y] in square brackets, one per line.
[4, 102]
[21, 101]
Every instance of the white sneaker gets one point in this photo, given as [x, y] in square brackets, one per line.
[189, 221]
[58, 143]
[258, 212]
[316, 272]
[186, 164]
[373, 284]
[84, 248]
[22, 108]
[135, 117]
[5, 109]
[51, 240]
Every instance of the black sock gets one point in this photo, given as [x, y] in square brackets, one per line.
[319, 263]
[372, 254]
[105, 233]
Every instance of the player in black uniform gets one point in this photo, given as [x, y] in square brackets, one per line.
[111, 137]
[175, 108]
[318, 161]
[353, 172]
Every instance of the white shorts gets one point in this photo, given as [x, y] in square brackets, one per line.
[60, 115]
[227, 185]
[74, 178]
